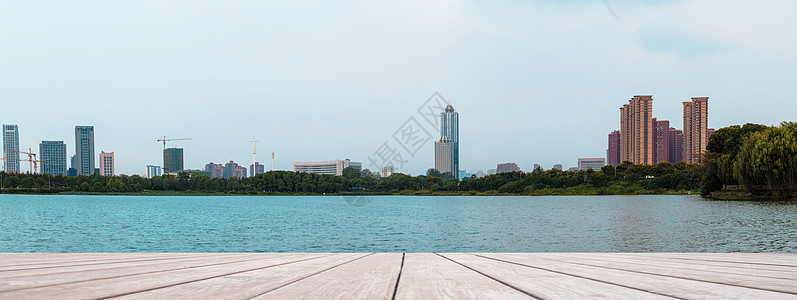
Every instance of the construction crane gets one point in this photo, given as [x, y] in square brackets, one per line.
[164, 140]
[34, 163]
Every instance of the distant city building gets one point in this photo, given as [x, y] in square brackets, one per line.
[173, 160]
[84, 150]
[480, 174]
[232, 169]
[507, 168]
[10, 146]
[676, 141]
[709, 132]
[492, 172]
[661, 143]
[97, 171]
[613, 153]
[216, 170]
[537, 166]
[153, 171]
[53, 157]
[446, 150]
[637, 131]
[591, 163]
[573, 169]
[695, 129]
[462, 174]
[387, 171]
[557, 167]
[71, 172]
[106, 164]
[256, 168]
[332, 167]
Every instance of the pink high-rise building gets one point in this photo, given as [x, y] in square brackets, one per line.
[637, 131]
[675, 137]
[106, 164]
[613, 153]
[695, 129]
[662, 141]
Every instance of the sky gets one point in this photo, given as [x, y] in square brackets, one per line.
[533, 81]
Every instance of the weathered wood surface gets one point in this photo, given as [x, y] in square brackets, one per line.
[398, 276]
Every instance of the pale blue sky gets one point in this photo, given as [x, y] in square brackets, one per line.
[533, 81]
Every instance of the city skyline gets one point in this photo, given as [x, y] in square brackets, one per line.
[223, 72]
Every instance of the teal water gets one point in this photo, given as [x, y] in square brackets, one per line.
[33, 223]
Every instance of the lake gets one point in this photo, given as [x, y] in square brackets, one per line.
[58, 223]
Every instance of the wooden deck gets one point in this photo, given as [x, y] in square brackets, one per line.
[397, 276]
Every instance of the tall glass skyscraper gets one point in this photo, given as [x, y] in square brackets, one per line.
[53, 157]
[84, 150]
[446, 150]
[10, 145]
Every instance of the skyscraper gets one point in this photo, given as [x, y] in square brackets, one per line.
[662, 141]
[10, 146]
[84, 150]
[613, 153]
[172, 160]
[695, 129]
[153, 171]
[53, 157]
[676, 141]
[106, 164]
[446, 150]
[637, 131]
[256, 168]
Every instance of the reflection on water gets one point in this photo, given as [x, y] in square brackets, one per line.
[395, 224]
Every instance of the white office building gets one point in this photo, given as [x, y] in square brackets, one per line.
[332, 167]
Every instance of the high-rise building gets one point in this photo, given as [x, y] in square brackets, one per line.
[10, 148]
[53, 157]
[172, 160]
[216, 170]
[256, 168]
[613, 153]
[695, 129]
[591, 163]
[709, 132]
[84, 150]
[637, 131]
[153, 171]
[676, 137]
[333, 167]
[507, 168]
[387, 171]
[662, 141]
[106, 164]
[492, 172]
[446, 150]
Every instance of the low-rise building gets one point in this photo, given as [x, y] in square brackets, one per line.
[332, 167]
[591, 163]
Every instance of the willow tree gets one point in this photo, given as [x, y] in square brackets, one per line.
[768, 158]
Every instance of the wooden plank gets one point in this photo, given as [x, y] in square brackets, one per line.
[38, 260]
[372, 277]
[550, 285]
[246, 285]
[691, 271]
[722, 269]
[429, 276]
[126, 283]
[674, 258]
[766, 259]
[79, 272]
[677, 287]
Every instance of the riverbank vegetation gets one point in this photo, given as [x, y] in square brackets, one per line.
[625, 179]
[751, 162]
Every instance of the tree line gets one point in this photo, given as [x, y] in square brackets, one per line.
[626, 178]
